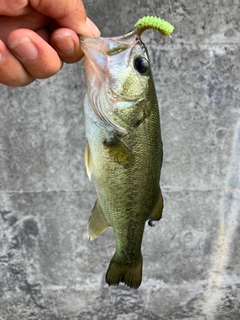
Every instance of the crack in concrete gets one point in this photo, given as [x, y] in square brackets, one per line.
[230, 211]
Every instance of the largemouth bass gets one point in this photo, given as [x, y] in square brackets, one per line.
[124, 150]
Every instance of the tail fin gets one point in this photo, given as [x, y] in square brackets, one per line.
[121, 271]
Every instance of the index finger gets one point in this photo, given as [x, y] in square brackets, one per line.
[68, 14]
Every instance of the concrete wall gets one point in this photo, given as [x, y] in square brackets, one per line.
[48, 268]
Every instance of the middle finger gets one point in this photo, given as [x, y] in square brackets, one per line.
[35, 54]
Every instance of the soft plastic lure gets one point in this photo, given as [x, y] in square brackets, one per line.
[150, 22]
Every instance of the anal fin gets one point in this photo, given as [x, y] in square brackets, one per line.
[97, 223]
[158, 208]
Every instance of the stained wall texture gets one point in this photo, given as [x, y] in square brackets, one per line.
[49, 270]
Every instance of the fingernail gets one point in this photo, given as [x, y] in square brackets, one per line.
[93, 28]
[64, 44]
[24, 48]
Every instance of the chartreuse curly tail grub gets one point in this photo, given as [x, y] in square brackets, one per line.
[150, 22]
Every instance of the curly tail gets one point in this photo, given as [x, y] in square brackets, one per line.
[130, 273]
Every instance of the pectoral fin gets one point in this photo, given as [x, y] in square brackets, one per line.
[97, 223]
[88, 161]
[157, 211]
[119, 152]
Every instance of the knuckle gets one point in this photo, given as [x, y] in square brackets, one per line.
[13, 74]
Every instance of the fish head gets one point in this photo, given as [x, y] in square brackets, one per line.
[119, 80]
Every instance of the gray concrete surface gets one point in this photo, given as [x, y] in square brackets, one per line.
[48, 268]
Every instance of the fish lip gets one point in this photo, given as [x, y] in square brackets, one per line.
[127, 35]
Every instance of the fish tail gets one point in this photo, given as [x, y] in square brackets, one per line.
[126, 272]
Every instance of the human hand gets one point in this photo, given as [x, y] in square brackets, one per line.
[37, 36]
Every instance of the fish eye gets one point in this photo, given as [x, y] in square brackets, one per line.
[141, 64]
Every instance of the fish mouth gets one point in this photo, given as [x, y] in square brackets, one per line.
[97, 57]
[110, 45]
[97, 50]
